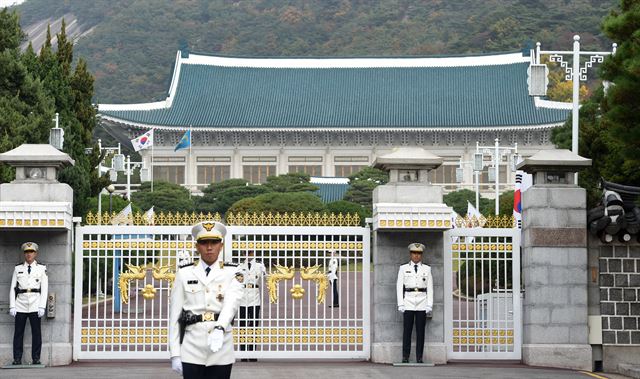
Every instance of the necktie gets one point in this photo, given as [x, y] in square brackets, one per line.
[415, 268]
[207, 270]
[249, 266]
[29, 270]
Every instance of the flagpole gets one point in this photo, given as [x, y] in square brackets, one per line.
[190, 173]
[152, 143]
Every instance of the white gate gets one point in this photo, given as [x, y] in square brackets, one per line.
[483, 318]
[123, 277]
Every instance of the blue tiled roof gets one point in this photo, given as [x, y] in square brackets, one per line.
[466, 96]
[330, 192]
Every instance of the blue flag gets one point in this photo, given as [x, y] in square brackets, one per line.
[185, 141]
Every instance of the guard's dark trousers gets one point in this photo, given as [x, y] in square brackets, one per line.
[192, 371]
[249, 317]
[336, 299]
[420, 318]
[18, 335]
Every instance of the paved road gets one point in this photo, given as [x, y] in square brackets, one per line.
[307, 370]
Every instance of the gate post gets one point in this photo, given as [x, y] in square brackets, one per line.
[407, 209]
[554, 263]
[36, 207]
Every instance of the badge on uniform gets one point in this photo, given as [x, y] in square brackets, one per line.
[240, 277]
[192, 281]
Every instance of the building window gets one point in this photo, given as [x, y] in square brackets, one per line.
[213, 159]
[445, 174]
[213, 174]
[168, 159]
[259, 159]
[305, 159]
[344, 171]
[306, 169]
[351, 159]
[171, 174]
[258, 174]
[484, 176]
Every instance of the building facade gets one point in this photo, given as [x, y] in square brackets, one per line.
[255, 117]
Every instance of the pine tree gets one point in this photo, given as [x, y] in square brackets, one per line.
[25, 109]
[620, 106]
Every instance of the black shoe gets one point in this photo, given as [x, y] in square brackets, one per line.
[36, 362]
[253, 359]
[16, 362]
[419, 361]
[244, 360]
[405, 360]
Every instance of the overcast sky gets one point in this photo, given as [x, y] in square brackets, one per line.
[4, 3]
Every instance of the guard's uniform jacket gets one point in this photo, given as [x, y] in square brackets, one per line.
[415, 289]
[220, 293]
[334, 266]
[32, 288]
[252, 282]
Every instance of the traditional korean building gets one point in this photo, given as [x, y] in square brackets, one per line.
[255, 117]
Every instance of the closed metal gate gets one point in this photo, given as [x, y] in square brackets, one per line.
[123, 278]
[483, 318]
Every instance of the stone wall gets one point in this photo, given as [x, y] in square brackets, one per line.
[386, 321]
[620, 294]
[554, 273]
[55, 253]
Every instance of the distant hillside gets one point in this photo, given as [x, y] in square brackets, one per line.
[132, 44]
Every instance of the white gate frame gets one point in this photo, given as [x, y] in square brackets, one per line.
[80, 231]
[515, 234]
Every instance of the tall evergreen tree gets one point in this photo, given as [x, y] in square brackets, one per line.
[620, 106]
[25, 109]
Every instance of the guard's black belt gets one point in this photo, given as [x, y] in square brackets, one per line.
[28, 290]
[414, 289]
[188, 317]
[252, 286]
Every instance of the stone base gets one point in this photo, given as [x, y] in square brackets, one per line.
[61, 355]
[574, 357]
[613, 357]
[414, 364]
[391, 352]
[22, 366]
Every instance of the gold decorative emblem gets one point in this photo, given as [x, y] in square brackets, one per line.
[311, 273]
[283, 273]
[139, 273]
[297, 292]
[163, 273]
[148, 292]
[239, 277]
[208, 225]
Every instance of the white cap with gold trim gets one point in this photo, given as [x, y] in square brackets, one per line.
[416, 247]
[208, 230]
[30, 246]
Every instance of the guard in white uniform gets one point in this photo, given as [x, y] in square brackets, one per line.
[28, 300]
[251, 301]
[332, 276]
[204, 301]
[415, 299]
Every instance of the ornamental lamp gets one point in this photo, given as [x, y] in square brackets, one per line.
[554, 168]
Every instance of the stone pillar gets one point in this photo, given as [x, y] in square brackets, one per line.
[36, 207]
[555, 263]
[404, 209]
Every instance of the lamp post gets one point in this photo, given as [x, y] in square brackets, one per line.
[476, 181]
[496, 152]
[110, 188]
[129, 167]
[575, 73]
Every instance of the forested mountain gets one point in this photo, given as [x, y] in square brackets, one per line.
[132, 44]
